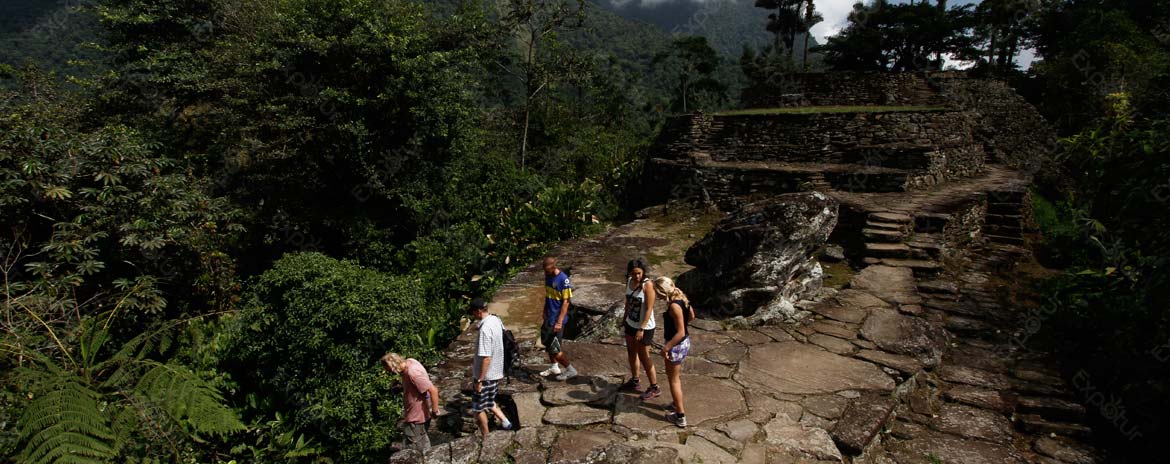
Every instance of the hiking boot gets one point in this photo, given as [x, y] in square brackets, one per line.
[651, 393]
[568, 373]
[677, 420]
[632, 385]
[554, 370]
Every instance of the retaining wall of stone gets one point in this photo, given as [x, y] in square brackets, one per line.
[833, 137]
[845, 88]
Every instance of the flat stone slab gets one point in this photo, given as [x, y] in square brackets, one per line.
[796, 368]
[826, 406]
[808, 442]
[967, 421]
[702, 342]
[580, 390]
[741, 430]
[907, 335]
[838, 312]
[495, 447]
[731, 353]
[529, 408]
[579, 444]
[833, 344]
[974, 377]
[889, 283]
[903, 364]
[994, 400]
[597, 359]
[835, 329]
[702, 367]
[890, 217]
[951, 450]
[776, 332]
[623, 453]
[700, 450]
[707, 324]
[1064, 450]
[707, 400]
[575, 415]
[597, 297]
[748, 337]
[861, 421]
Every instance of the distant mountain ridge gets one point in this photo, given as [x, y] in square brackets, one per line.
[727, 24]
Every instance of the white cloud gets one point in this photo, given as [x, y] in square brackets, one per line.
[836, 14]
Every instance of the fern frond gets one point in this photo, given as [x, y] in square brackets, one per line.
[66, 425]
[190, 401]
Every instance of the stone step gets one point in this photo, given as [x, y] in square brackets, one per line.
[1005, 208]
[890, 217]
[967, 326]
[871, 224]
[862, 419]
[1005, 239]
[1033, 423]
[1002, 229]
[938, 286]
[887, 250]
[1005, 219]
[925, 250]
[1053, 409]
[883, 235]
[920, 267]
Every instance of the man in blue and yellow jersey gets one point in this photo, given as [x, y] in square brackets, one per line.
[558, 291]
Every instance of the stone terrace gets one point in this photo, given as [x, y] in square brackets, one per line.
[915, 359]
[891, 368]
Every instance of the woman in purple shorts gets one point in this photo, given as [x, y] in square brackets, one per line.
[678, 342]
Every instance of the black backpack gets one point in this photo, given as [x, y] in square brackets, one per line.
[511, 353]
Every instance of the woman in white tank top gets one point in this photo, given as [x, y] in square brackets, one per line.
[639, 327]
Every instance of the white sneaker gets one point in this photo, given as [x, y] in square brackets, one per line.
[568, 374]
[554, 370]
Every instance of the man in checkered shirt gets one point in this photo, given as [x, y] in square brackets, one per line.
[488, 366]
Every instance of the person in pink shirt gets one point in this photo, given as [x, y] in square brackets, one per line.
[420, 400]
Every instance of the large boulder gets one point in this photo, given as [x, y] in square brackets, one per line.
[761, 260]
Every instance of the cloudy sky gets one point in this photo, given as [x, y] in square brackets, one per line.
[836, 13]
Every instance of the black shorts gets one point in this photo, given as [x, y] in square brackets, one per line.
[551, 340]
[486, 398]
[647, 335]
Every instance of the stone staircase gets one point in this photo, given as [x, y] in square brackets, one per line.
[893, 239]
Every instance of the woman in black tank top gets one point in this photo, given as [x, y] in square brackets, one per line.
[678, 342]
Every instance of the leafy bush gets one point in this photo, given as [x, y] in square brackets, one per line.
[102, 404]
[1109, 305]
[308, 342]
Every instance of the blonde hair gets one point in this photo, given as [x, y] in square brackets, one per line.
[393, 361]
[666, 287]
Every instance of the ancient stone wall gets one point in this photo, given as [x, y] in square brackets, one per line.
[833, 137]
[1011, 130]
[845, 88]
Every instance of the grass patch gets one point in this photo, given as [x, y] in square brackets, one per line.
[828, 109]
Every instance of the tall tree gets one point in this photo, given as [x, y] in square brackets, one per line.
[811, 18]
[1003, 26]
[899, 37]
[696, 63]
[534, 22]
[785, 22]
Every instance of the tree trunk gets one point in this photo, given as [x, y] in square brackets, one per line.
[991, 50]
[529, 93]
[804, 56]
